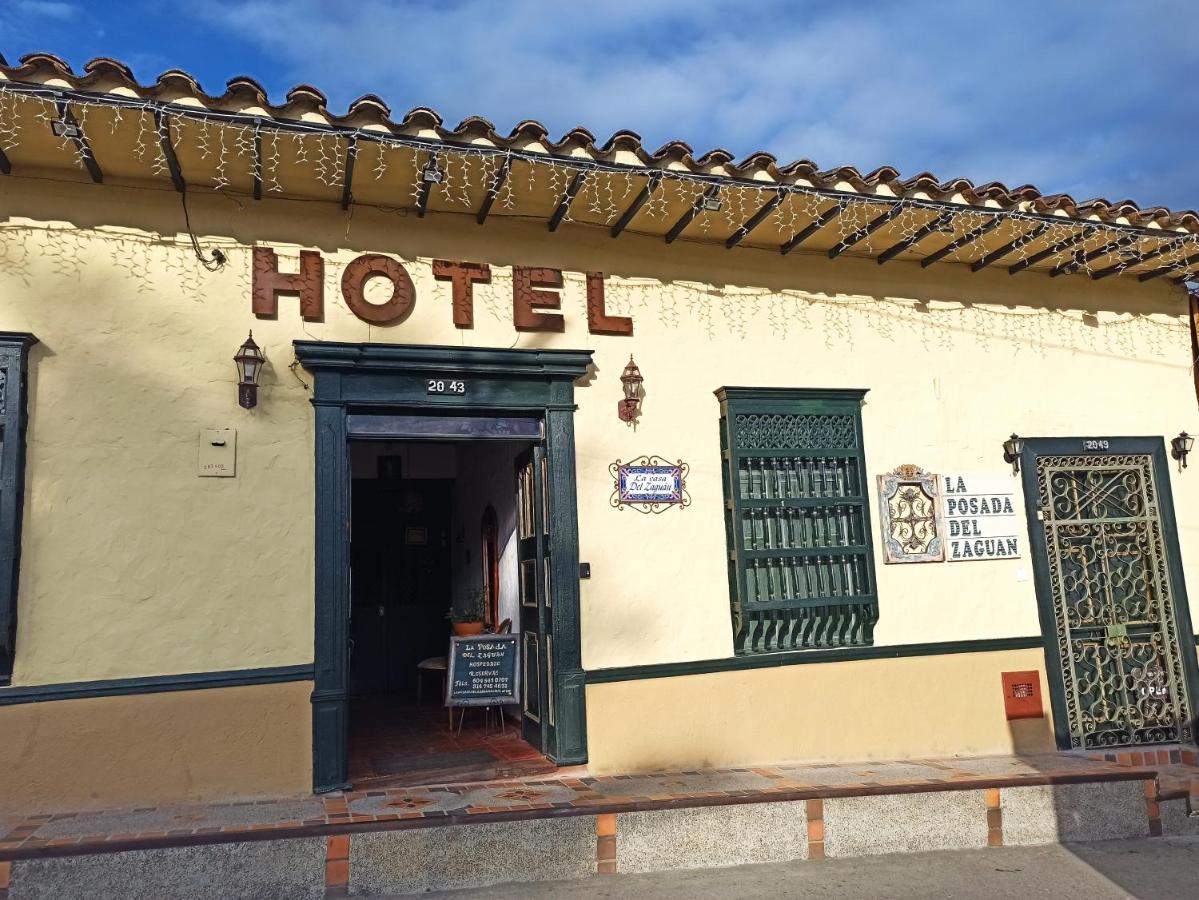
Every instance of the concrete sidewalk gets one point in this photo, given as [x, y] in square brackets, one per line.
[1156, 869]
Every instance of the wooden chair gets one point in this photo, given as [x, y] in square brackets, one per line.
[433, 664]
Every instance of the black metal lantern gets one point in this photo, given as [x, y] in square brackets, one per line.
[630, 380]
[1180, 448]
[249, 362]
[1011, 452]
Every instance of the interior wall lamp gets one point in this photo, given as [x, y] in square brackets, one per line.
[630, 380]
[1011, 452]
[249, 361]
[1180, 448]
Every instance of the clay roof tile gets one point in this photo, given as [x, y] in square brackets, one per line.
[623, 140]
[421, 117]
[245, 89]
[103, 65]
[717, 156]
[529, 129]
[308, 95]
[369, 104]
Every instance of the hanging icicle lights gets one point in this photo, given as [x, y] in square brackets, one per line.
[479, 178]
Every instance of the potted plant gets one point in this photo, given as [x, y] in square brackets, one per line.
[466, 615]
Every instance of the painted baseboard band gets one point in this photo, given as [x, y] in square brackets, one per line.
[804, 657]
[11, 696]
[155, 684]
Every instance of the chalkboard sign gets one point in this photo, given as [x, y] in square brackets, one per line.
[483, 670]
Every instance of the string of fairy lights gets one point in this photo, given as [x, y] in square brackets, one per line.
[238, 147]
[165, 264]
[255, 147]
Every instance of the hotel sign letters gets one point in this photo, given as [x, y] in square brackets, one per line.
[535, 292]
[980, 519]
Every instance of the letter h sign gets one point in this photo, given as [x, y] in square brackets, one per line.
[308, 283]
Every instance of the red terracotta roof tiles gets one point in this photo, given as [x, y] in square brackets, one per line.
[103, 72]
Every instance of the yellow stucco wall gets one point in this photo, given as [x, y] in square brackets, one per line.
[240, 742]
[134, 566]
[922, 706]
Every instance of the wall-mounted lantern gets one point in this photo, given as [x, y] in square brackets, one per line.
[630, 380]
[1180, 448]
[1011, 452]
[249, 362]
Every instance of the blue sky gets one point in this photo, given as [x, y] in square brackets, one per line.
[1089, 97]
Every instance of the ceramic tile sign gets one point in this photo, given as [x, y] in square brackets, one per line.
[649, 484]
[979, 514]
[483, 671]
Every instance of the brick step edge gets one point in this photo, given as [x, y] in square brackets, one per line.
[361, 824]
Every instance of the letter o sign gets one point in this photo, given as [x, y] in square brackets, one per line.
[353, 284]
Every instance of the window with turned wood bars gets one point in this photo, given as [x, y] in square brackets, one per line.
[797, 517]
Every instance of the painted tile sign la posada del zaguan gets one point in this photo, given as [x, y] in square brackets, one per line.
[534, 290]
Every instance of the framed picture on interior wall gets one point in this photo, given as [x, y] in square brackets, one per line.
[909, 510]
[389, 467]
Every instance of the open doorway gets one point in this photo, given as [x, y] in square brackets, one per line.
[434, 547]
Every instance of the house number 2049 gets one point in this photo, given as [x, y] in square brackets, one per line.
[1092, 444]
[440, 386]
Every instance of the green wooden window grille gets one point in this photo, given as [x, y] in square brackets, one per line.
[797, 519]
[14, 352]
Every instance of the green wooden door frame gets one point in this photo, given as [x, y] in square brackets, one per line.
[1154, 447]
[14, 368]
[365, 379]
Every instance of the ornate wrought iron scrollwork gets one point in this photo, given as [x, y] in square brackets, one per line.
[794, 432]
[1113, 601]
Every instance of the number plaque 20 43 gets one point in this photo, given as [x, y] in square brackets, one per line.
[442, 386]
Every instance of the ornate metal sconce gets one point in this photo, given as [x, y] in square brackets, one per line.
[631, 380]
[1180, 448]
[249, 360]
[1011, 452]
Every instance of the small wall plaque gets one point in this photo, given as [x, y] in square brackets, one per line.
[218, 453]
[909, 514]
[649, 484]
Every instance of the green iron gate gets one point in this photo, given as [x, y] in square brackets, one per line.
[1113, 606]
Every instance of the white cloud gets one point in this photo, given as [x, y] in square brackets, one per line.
[46, 8]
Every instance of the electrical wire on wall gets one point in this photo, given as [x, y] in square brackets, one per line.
[217, 258]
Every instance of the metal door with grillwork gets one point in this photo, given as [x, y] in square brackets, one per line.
[1110, 590]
